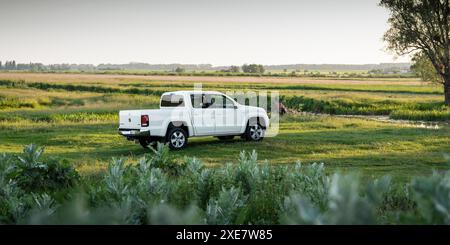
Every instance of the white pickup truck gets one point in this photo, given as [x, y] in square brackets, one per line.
[185, 114]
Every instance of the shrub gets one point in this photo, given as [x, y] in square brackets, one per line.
[30, 173]
[345, 204]
[166, 215]
[247, 172]
[225, 209]
[432, 197]
[115, 182]
[194, 184]
[311, 182]
[419, 115]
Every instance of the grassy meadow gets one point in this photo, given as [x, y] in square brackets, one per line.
[75, 117]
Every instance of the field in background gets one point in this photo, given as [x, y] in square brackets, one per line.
[408, 99]
[277, 73]
[75, 117]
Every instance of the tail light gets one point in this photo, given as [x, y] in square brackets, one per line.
[144, 120]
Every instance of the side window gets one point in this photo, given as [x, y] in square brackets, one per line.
[197, 100]
[216, 101]
[171, 100]
[210, 101]
[228, 103]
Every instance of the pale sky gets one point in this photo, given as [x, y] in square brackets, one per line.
[218, 32]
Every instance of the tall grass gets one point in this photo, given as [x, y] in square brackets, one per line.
[59, 117]
[82, 88]
[83, 117]
[409, 111]
[431, 115]
[17, 103]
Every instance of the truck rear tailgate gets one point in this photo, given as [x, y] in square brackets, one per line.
[130, 119]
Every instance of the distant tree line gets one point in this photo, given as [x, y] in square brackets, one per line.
[390, 70]
[383, 68]
[12, 65]
[154, 67]
[340, 67]
[9, 65]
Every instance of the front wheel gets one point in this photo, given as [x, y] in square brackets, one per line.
[254, 132]
[177, 138]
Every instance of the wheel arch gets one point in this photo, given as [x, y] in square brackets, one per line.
[257, 119]
[179, 124]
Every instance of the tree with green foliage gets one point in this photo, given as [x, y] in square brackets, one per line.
[422, 27]
[180, 70]
[234, 69]
[423, 68]
[253, 68]
[10, 65]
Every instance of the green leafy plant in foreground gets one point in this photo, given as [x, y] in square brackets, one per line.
[432, 195]
[32, 174]
[345, 204]
[158, 190]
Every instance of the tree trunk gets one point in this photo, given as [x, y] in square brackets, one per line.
[447, 90]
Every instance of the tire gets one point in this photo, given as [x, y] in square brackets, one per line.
[254, 132]
[227, 137]
[177, 138]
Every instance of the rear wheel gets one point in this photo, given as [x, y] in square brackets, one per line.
[177, 138]
[254, 132]
[227, 137]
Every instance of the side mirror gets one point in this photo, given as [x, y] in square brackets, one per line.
[235, 107]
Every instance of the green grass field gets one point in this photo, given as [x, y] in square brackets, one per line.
[75, 117]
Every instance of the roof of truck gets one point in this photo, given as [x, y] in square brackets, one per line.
[192, 92]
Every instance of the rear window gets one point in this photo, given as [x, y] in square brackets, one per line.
[172, 100]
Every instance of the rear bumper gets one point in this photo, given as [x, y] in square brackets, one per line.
[133, 133]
